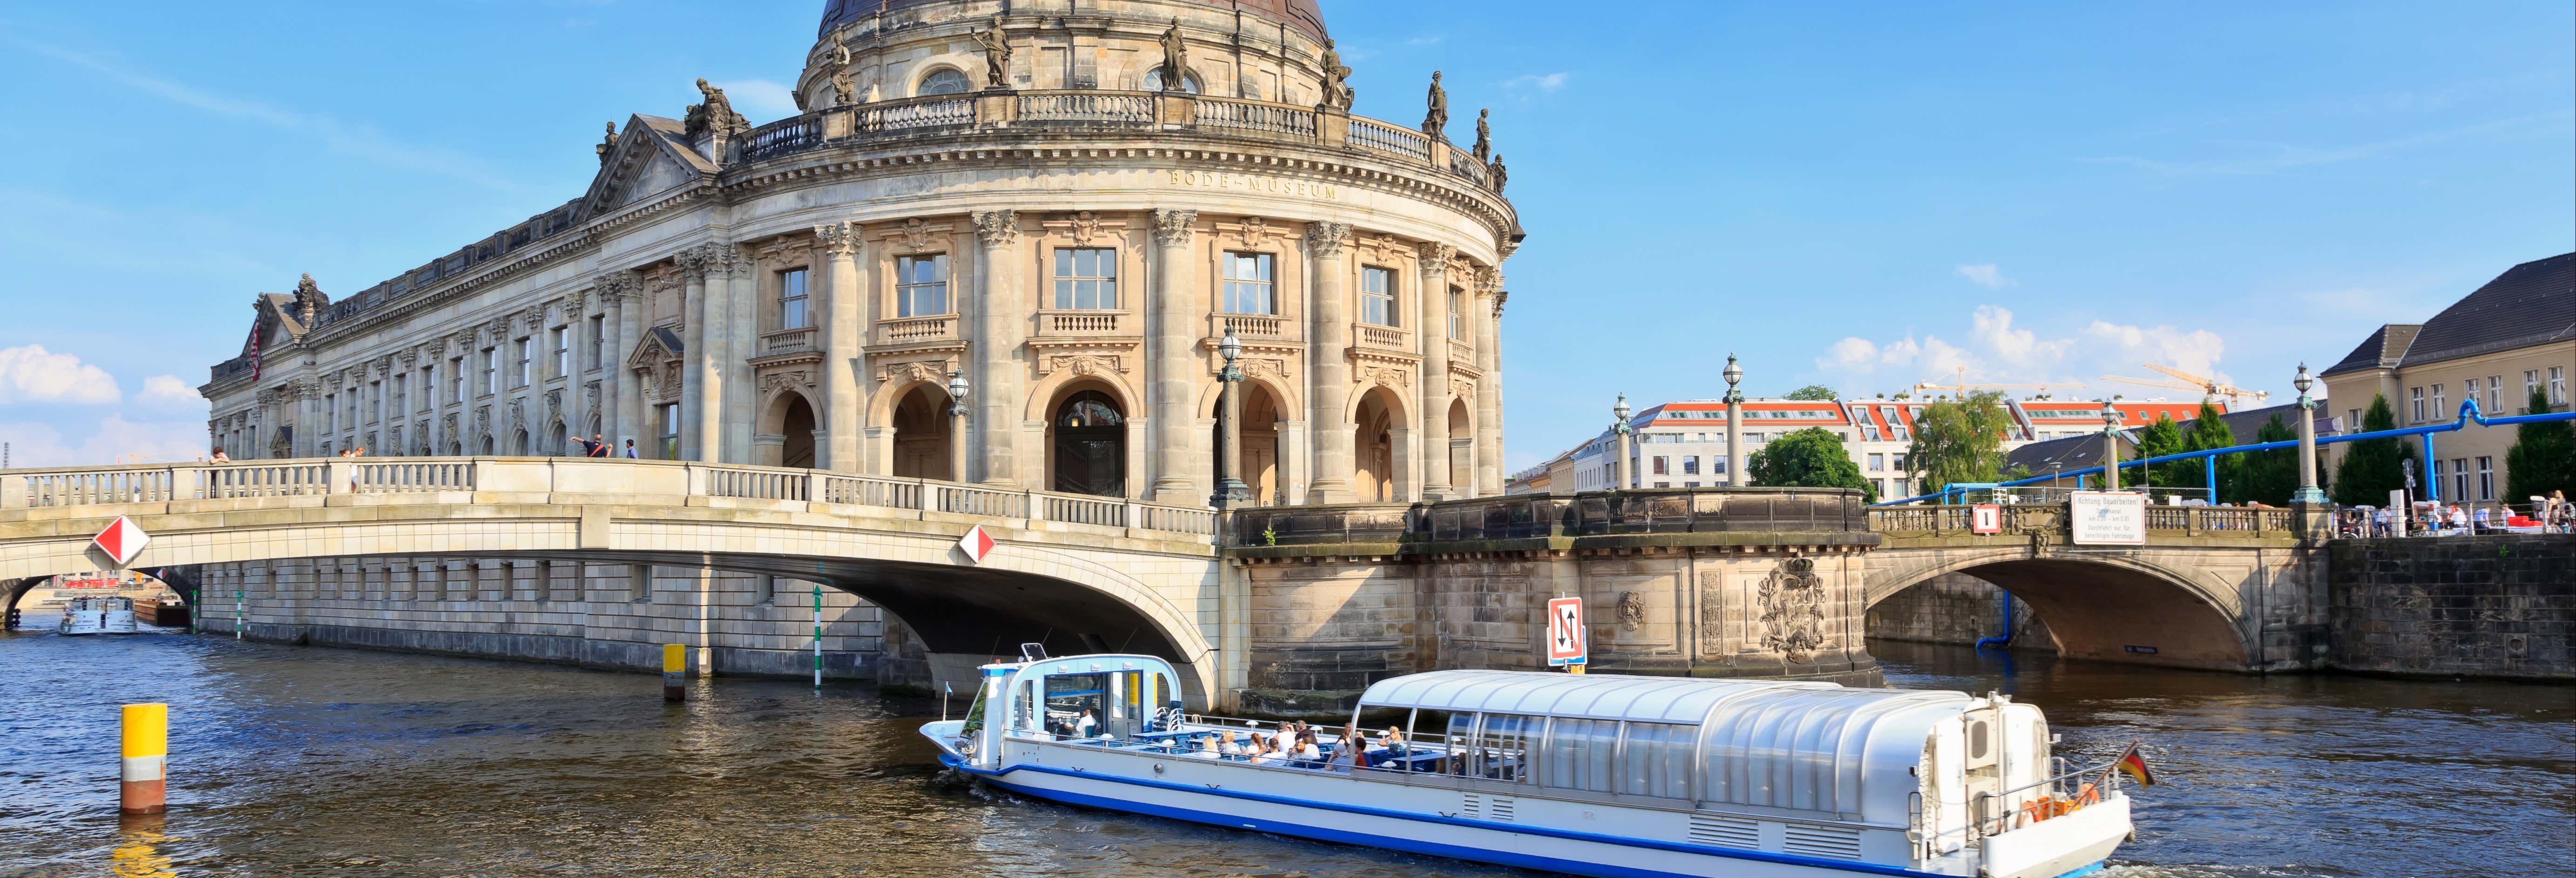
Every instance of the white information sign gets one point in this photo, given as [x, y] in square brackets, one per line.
[2109, 518]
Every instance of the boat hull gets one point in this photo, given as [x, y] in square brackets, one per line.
[1436, 835]
[81, 622]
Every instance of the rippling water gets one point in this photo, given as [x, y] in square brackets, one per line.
[288, 760]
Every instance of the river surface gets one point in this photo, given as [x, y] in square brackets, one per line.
[288, 760]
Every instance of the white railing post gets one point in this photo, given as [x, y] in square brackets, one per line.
[1037, 507]
[13, 492]
[342, 473]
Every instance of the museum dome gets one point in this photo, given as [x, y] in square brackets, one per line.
[1300, 14]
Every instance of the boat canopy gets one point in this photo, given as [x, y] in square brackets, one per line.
[1798, 745]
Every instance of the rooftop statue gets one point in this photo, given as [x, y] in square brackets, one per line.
[1176, 59]
[1337, 86]
[997, 55]
[845, 91]
[608, 144]
[716, 115]
[1484, 136]
[1495, 171]
[1438, 118]
[309, 299]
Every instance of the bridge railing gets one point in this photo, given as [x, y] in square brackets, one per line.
[1526, 516]
[104, 491]
[2050, 518]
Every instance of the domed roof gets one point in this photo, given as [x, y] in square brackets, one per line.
[1300, 14]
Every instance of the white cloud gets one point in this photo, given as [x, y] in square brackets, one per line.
[2000, 352]
[29, 373]
[2020, 348]
[760, 98]
[168, 392]
[113, 440]
[1544, 82]
[2196, 351]
[1988, 275]
[1427, 40]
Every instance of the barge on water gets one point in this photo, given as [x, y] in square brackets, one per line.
[1602, 775]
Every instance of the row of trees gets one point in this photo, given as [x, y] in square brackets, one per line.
[1961, 441]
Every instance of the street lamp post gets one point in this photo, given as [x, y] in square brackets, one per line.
[1619, 426]
[2110, 446]
[1734, 422]
[2308, 491]
[1230, 489]
[957, 390]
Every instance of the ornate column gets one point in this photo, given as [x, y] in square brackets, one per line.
[1174, 347]
[1329, 374]
[842, 402]
[613, 383]
[1433, 394]
[576, 346]
[743, 303]
[433, 427]
[1000, 329]
[630, 312]
[1488, 315]
[701, 421]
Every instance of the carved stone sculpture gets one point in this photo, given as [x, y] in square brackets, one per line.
[1337, 87]
[309, 300]
[1438, 117]
[1176, 59]
[845, 90]
[1495, 173]
[997, 55]
[1793, 615]
[608, 144]
[716, 115]
[1484, 136]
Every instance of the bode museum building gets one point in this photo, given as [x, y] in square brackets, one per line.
[1054, 213]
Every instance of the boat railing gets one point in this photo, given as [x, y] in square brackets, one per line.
[2083, 797]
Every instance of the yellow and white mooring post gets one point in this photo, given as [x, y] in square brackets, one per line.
[147, 759]
[675, 672]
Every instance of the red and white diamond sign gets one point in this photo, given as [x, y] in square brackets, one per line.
[121, 541]
[977, 543]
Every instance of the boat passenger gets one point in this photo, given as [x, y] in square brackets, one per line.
[1087, 725]
[1306, 747]
[1347, 751]
[1206, 748]
[1226, 744]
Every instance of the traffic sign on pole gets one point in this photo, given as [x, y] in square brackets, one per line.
[1565, 640]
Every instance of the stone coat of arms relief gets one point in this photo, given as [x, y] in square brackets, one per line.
[1793, 613]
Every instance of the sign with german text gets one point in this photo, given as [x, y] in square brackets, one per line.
[976, 543]
[2108, 518]
[1986, 518]
[1565, 632]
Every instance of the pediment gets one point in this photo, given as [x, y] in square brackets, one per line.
[652, 157]
[660, 346]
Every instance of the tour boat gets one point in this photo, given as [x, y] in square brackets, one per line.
[83, 616]
[117, 616]
[1594, 774]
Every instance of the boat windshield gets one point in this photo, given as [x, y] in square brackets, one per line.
[1077, 705]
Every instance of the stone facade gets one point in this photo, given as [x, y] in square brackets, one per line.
[2491, 606]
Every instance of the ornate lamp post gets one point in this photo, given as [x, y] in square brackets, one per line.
[1230, 489]
[1734, 423]
[1619, 426]
[2110, 446]
[957, 390]
[2308, 492]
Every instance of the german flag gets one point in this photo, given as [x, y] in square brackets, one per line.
[2134, 764]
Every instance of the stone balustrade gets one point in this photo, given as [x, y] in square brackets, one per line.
[2023, 520]
[1813, 516]
[99, 492]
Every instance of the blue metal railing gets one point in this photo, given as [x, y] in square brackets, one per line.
[2433, 490]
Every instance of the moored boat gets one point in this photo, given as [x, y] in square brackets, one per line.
[83, 616]
[1602, 775]
[116, 615]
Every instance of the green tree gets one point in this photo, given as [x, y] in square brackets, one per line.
[2157, 440]
[2369, 469]
[2208, 432]
[1813, 393]
[2543, 457]
[2266, 476]
[1809, 458]
[1959, 441]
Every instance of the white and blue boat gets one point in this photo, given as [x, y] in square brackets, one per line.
[87, 615]
[1599, 774]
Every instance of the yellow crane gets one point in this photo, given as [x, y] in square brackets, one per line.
[2210, 388]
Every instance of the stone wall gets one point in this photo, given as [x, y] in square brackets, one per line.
[1955, 608]
[589, 614]
[2493, 606]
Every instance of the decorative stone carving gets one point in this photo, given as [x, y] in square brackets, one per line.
[669, 386]
[519, 410]
[845, 90]
[1256, 231]
[776, 381]
[1437, 117]
[693, 262]
[1084, 364]
[916, 234]
[554, 404]
[1384, 376]
[1489, 281]
[788, 252]
[309, 300]
[1435, 258]
[1462, 389]
[1324, 239]
[590, 401]
[1495, 174]
[1632, 610]
[1501, 296]
[998, 229]
[997, 54]
[716, 115]
[1085, 225]
[1176, 59]
[934, 372]
[1172, 227]
[1337, 79]
[838, 239]
[1484, 135]
[607, 145]
[483, 421]
[1793, 614]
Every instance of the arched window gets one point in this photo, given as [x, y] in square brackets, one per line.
[1090, 408]
[1154, 80]
[943, 81]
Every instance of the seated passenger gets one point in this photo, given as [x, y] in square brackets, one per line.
[1268, 752]
[1393, 743]
[1228, 746]
[1306, 748]
[1206, 748]
[1349, 750]
[1087, 725]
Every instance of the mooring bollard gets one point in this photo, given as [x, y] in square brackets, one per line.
[675, 672]
[147, 759]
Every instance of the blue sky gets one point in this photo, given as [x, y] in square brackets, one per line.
[1863, 195]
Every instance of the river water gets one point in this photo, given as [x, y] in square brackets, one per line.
[288, 760]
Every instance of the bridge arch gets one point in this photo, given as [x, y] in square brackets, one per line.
[2100, 606]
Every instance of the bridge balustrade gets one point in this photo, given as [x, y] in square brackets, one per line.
[105, 491]
[2029, 518]
[1539, 516]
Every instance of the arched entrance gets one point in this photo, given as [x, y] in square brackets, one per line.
[921, 437]
[1088, 433]
[1373, 472]
[1461, 451]
[795, 425]
[1260, 442]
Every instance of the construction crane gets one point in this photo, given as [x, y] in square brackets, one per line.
[1960, 385]
[2210, 388]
